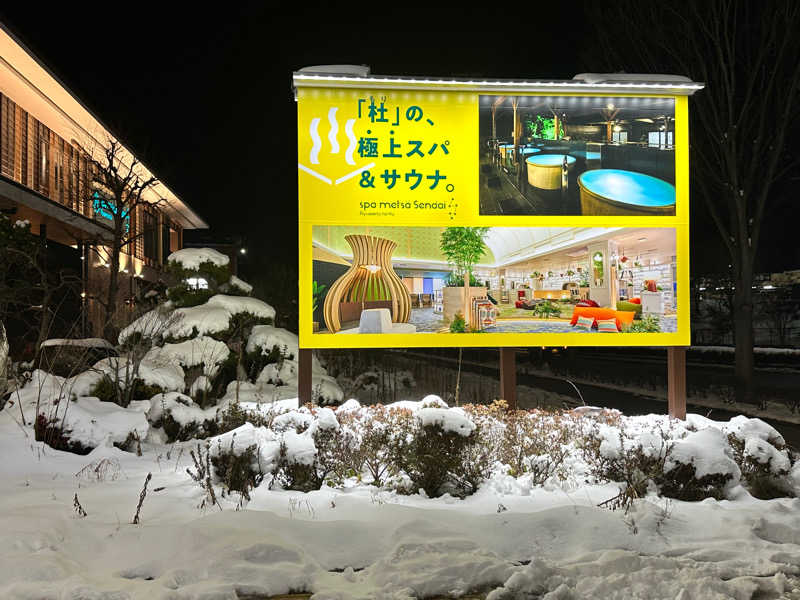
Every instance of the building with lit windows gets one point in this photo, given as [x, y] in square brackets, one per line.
[46, 140]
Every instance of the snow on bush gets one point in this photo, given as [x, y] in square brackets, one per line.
[153, 324]
[267, 337]
[74, 423]
[282, 345]
[192, 258]
[212, 317]
[240, 284]
[764, 453]
[193, 352]
[198, 320]
[242, 304]
[178, 415]
[168, 377]
[93, 423]
[241, 440]
[707, 451]
[745, 428]
[449, 420]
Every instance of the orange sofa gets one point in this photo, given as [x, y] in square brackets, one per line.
[623, 317]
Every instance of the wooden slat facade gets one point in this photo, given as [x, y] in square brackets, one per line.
[34, 156]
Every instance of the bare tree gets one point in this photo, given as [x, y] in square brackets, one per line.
[30, 291]
[121, 186]
[747, 53]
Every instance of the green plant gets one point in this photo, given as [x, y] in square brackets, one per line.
[459, 324]
[184, 294]
[543, 127]
[454, 280]
[597, 265]
[316, 292]
[463, 247]
[546, 309]
[647, 324]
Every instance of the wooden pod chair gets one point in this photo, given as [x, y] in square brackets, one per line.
[370, 282]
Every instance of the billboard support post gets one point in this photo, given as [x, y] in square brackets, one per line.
[508, 377]
[304, 376]
[676, 381]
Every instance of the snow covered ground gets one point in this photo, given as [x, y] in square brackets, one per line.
[509, 540]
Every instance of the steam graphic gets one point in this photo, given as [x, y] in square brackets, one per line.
[348, 129]
[313, 155]
[334, 130]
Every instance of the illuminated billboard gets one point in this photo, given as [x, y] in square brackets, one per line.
[565, 213]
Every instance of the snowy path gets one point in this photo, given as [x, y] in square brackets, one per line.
[379, 544]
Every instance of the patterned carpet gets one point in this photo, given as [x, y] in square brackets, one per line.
[426, 320]
[668, 324]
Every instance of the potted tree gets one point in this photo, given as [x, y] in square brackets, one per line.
[463, 247]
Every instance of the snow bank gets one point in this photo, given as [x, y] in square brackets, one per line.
[191, 258]
[621, 574]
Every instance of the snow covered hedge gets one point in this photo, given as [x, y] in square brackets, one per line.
[429, 448]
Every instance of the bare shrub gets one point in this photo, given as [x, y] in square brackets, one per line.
[98, 471]
[535, 442]
[202, 475]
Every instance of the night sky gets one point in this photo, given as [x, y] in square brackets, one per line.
[205, 99]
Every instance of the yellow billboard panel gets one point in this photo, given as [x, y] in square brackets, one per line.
[566, 214]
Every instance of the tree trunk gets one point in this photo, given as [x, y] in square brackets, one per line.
[743, 332]
[109, 329]
[4, 351]
[44, 324]
[466, 297]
